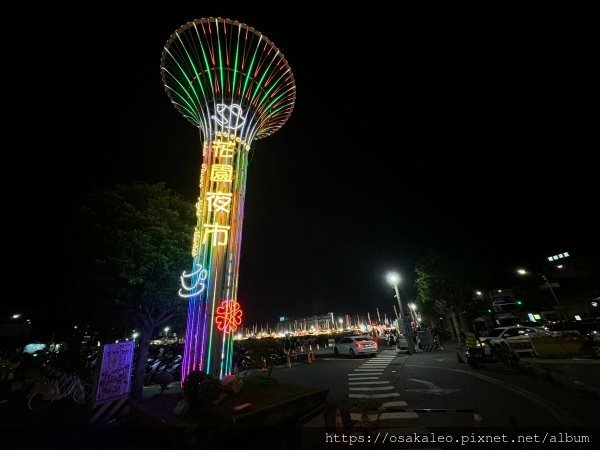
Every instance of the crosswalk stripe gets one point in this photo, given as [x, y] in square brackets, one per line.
[392, 404]
[363, 378]
[383, 395]
[368, 382]
[382, 388]
[369, 370]
[364, 374]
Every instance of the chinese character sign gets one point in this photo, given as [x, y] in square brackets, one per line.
[211, 285]
[114, 377]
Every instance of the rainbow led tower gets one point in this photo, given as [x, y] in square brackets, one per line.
[232, 83]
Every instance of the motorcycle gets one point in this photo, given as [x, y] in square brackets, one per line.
[474, 356]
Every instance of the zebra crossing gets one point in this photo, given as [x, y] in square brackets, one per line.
[366, 383]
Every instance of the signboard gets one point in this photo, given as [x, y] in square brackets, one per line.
[113, 380]
[425, 337]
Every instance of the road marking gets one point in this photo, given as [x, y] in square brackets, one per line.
[375, 369]
[363, 374]
[387, 394]
[392, 404]
[563, 417]
[384, 416]
[368, 382]
[363, 378]
[382, 388]
[431, 388]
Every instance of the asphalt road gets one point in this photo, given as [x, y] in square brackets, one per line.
[490, 396]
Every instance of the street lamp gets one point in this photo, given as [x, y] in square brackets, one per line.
[478, 293]
[15, 316]
[560, 308]
[167, 331]
[393, 278]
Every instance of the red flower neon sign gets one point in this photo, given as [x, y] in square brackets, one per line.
[229, 316]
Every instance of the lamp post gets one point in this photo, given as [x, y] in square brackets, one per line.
[393, 278]
[560, 308]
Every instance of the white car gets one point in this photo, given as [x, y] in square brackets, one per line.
[516, 337]
[355, 345]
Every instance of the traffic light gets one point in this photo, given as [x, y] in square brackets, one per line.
[518, 302]
[489, 311]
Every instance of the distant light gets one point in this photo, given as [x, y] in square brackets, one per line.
[537, 317]
[518, 302]
[577, 317]
[531, 317]
[594, 304]
[522, 271]
[499, 290]
[560, 266]
[340, 320]
[489, 310]
[135, 334]
[550, 258]
[75, 326]
[555, 257]
[167, 329]
[412, 306]
[566, 254]
[15, 316]
[479, 293]
[560, 255]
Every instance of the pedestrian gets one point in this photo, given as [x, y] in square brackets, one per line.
[287, 348]
[389, 341]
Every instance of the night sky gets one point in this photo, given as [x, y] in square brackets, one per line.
[407, 137]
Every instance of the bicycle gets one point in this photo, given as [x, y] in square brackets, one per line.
[65, 386]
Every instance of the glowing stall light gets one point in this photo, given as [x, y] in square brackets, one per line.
[235, 86]
[229, 316]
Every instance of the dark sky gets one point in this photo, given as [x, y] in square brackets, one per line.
[408, 136]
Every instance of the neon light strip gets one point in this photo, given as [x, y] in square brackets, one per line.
[219, 68]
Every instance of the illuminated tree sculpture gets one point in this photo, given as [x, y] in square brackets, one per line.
[232, 83]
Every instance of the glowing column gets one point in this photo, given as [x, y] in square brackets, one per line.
[233, 84]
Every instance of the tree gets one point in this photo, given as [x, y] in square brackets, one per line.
[447, 282]
[138, 241]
